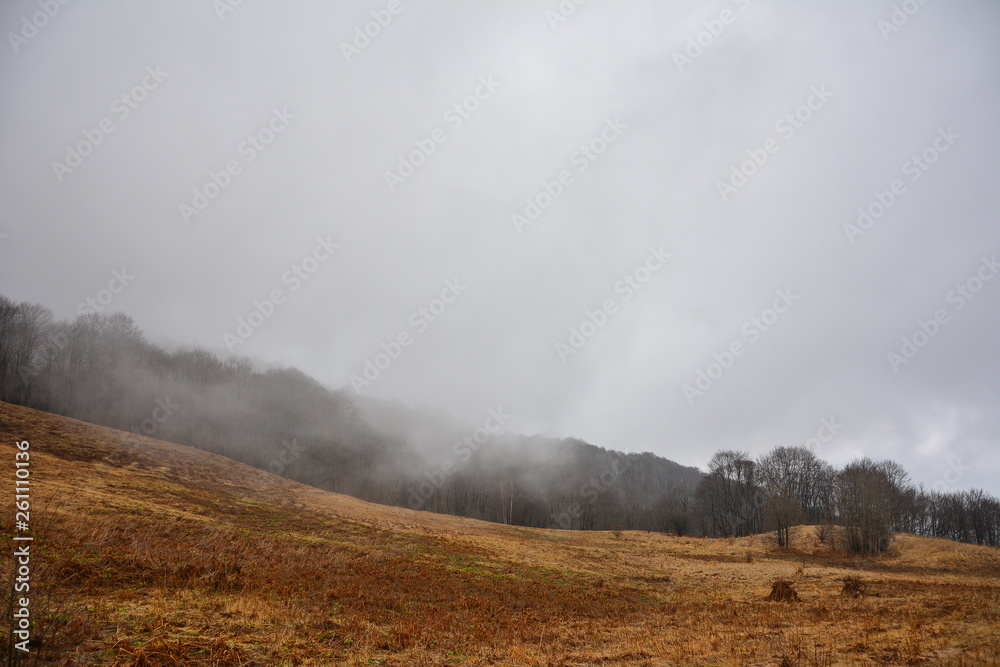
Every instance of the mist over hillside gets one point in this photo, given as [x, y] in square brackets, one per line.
[531, 333]
[577, 210]
[101, 368]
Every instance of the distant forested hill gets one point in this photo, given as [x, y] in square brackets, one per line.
[101, 369]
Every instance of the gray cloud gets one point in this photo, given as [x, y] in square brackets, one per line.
[656, 184]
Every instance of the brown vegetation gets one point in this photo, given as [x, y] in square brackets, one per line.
[854, 587]
[174, 556]
[783, 591]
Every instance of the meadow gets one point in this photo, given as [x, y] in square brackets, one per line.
[148, 553]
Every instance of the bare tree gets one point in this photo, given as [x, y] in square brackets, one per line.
[795, 483]
[730, 494]
[868, 501]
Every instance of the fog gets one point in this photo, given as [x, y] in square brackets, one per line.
[673, 228]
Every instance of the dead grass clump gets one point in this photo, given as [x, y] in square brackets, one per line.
[854, 587]
[783, 591]
[166, 651]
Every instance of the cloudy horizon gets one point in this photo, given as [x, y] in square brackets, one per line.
[673, 229]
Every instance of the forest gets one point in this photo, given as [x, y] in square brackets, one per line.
[100, 368]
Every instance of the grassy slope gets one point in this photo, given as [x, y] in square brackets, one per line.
[159, 554]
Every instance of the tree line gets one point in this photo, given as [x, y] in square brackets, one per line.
[861, 505]
[100, 368]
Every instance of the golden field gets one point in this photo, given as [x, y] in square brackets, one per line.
[151, 553]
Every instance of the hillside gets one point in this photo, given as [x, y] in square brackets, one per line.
[101, 368]
[152, 553]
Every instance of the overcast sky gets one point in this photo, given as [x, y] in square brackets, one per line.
[715, 153]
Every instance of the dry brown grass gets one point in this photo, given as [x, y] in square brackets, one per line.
[185, 558]
[854, 587]
[783, 591]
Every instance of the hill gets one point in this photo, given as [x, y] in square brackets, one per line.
[152, 553]
[100, 368]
